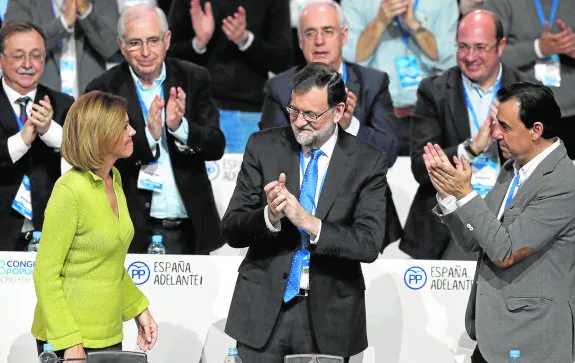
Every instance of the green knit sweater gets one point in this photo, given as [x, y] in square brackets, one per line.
[84, 292]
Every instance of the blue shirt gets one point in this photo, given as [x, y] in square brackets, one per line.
[166, 203]
[438, 16]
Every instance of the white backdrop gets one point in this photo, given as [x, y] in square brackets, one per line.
[190, 298]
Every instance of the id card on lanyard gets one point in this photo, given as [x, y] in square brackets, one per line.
[22, 203]
[151, 176]
[548, 70]
[407, 66]
[483, 169]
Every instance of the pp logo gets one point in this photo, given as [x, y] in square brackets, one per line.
[139, 272]
[213, 169]
[415, 278]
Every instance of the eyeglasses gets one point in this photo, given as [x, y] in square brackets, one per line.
[480, 49]
[328, 33]
[137, 44]
[308, 116]
[19, 57]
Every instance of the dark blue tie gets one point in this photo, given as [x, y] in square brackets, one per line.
[23, 102]
[307, 200]
[512, 190]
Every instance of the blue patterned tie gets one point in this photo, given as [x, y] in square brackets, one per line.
[512, 190]
[23, 102]
[307, 200]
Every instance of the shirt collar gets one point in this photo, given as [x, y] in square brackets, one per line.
[98, 179]
[157, 82]
[327, 147]
[526, 170]
[469, 84]
[13, 95]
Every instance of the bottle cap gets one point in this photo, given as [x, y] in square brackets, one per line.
[157, 238]
[514, 353]
[233, 351]
[48, 346]
[36, 234]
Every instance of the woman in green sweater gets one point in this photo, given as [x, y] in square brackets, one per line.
[84, 292]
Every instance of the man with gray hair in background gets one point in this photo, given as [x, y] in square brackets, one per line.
[177, 130]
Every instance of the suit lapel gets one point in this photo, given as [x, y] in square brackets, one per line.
[339, 167]
[354, 85]
[495, 197]
[288, 157]
[7, 118]
[457, 106]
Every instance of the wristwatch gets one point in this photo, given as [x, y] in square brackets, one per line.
[467, 147]
[419, 29]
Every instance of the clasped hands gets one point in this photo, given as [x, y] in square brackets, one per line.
[281, 203]
[447, 178]
[175, 109]
[39, 121]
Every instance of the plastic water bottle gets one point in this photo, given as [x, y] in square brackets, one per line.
[233, 356]
[514, 355]
[35, 241]
[48, 355]
[157, 247]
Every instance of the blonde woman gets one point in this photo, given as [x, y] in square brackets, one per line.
[84, 292]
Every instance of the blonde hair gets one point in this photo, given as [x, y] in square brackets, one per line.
[93, 125]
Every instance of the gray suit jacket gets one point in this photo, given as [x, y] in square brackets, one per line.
[530, 304]
[95, 37]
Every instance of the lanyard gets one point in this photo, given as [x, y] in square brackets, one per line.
[542, 16]
[470, 105]
[402, 30]
[344, 73]
[143, 106]
[20, 126]
[302, 166]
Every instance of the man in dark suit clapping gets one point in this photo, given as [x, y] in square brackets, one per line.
[300, 287]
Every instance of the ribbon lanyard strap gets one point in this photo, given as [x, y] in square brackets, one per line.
[542, 15]
[472, 109]
[344, 73]
[402, 30]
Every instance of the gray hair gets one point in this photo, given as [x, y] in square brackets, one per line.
[134, 12]
[331, 3]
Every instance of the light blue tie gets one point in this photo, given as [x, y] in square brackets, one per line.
[307, 200]
[512, 190]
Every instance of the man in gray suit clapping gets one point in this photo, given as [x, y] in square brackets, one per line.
[524, 231]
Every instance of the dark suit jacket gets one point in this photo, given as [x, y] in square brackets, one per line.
[374, 108]
[41, 163]
[441, 117]
[349, 206]
[205, 142]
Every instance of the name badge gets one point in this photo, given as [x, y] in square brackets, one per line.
[68, 74]
[23, 201]
[151, 177]
[483, 174]
[408, 71]
[548, 71]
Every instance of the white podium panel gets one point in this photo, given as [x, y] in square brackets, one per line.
[415, 309]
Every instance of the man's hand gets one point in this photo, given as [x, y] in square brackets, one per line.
[202, 22]
[70, 13]
[483, 139]
[147, 331]
[558, 43]
[175, 108]
[408, 17]
[82, 7]
[77, 351]
[450, 180]
[349, 110]
[389, 9]
[275, 200]
[28, 133]
[41, 115]
[297, 214]
[234, 27]
[155, 117]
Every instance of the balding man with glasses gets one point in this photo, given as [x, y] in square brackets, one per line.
[177, 130]
[31, 116]
[453, 110]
